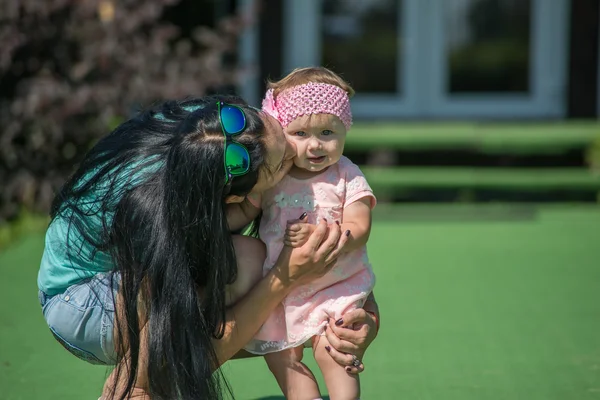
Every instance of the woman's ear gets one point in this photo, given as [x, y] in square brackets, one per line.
[234, 199]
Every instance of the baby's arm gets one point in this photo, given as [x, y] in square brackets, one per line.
[239, 215]
[357, 223]
[297, 232]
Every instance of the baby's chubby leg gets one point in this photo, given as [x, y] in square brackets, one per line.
[296, 381]
[340, 384]
[250, 254]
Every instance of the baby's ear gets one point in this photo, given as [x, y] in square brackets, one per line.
[234, 199]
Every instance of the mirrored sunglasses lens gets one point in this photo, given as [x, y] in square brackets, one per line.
[237, 159]
[233, 119]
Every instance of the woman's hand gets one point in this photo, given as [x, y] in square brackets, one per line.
[350, 336]
[316, 257]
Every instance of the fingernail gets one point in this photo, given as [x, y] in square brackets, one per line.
[303, 215]
[348, 369]
[337, 222]
[347, 233]
[339, 322]
[328, 348]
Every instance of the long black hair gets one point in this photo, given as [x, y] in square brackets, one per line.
[157, 186]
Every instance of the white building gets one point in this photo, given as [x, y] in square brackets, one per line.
[437, 59]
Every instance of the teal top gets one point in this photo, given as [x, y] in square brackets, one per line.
[62, 267]
[59, 269]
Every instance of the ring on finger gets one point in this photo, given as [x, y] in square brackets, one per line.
[356, 361]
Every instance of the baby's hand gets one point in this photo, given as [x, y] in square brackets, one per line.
[297, 233]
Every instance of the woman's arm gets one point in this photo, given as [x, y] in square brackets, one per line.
[294, 267]
[246, 317]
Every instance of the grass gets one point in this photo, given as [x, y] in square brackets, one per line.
[27, 223]
[473, 308]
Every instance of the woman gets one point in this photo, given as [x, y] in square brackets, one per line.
[140, 232]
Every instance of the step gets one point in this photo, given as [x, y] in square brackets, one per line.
[526, 179]
[461, 212]
[525, 137]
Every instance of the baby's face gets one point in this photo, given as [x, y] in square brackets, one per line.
[319, 140]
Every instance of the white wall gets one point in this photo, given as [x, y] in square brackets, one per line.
[598, 80]
[248, 50]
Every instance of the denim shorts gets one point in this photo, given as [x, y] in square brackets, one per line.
[82, 318]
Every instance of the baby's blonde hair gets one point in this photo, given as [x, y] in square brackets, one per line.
[301, 76]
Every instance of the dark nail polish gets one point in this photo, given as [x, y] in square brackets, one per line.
[303, 216]
[328, 348]
[348, 369]
[337, 222]
[348, 233]
[339, 322]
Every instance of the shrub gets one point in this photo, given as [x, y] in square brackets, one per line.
[71, 70]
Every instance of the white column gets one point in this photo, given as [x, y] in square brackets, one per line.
[248, 50]
[598, 79]
[301, 34]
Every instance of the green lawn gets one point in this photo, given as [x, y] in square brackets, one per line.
[477, 303]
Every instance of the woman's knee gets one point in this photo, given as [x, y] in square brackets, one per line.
[250, 254]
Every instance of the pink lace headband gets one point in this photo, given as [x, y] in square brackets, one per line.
[310, 98]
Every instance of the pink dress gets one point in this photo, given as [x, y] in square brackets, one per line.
[304, 313]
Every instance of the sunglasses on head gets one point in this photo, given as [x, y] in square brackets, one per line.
[233, 123]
